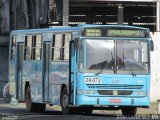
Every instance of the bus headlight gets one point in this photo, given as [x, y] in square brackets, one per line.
[141, 93]
[80, 91]
[89, 91]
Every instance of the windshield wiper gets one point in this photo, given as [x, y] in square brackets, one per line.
[101, 70]
[131, 70]
[105, 66]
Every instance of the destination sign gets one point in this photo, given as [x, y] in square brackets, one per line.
[125, 33]
[90, 32]
[115, 32]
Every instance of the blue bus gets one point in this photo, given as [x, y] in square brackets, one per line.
[81, 68]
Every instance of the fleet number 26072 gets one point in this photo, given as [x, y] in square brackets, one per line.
[92, 80]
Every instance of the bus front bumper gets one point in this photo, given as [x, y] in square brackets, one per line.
[112, 101]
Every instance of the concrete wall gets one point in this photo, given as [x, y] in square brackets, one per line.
[155, 68]
[3, 66]
[4, 16]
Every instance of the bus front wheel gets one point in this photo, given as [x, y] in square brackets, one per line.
[33, 107]
[65, 102]
[129, 111]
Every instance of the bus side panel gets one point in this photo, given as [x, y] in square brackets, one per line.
[25, 77]
[36, 81]
[59, 74]
[32, 72]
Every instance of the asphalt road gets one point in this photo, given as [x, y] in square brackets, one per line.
[19, 112]
[23, 114]
[7, 113]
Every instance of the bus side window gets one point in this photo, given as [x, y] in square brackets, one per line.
[65, 46]
[13, 47]
[28, 43]
[56, 47]
[38, 49]
[53, 47]
[33, 47]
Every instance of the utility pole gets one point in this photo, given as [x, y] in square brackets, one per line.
[120, 14]
[158, 16]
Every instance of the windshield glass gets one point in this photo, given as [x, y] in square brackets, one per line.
[132, 56]
[99, 55]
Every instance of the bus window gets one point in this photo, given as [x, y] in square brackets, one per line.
[53, 46]
[66, 46]
[62, 47]
[28, 43]
[56, 46]
[33, 47]
[38, 48]
[13, 46]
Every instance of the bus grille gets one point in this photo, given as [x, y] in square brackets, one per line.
[112, 92]
[114, 86]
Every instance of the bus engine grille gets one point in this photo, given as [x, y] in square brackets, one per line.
[111, 92]
[114, 86]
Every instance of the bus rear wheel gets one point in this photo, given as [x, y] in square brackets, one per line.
[65, 102]
[129, 111]
[31, 106]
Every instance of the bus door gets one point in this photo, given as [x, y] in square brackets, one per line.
[73, 68]
[45, 75]
[71, 72]
[19, 70]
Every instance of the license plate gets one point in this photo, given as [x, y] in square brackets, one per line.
[115, 100]
[92, 80]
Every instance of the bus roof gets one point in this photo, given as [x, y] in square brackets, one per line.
[114, 26]
[43, 30]
[69, 29]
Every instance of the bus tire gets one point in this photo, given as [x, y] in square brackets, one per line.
[129, 111]
[65, 102]
[33, 107]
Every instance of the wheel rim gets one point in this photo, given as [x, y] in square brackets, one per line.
[65, 101]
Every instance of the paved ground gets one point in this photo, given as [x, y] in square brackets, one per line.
[19, 112]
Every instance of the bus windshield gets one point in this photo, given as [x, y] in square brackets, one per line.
[99, 55]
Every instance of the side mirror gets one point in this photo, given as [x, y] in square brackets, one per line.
[151, 45]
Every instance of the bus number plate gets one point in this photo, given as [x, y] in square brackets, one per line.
[92, 80]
